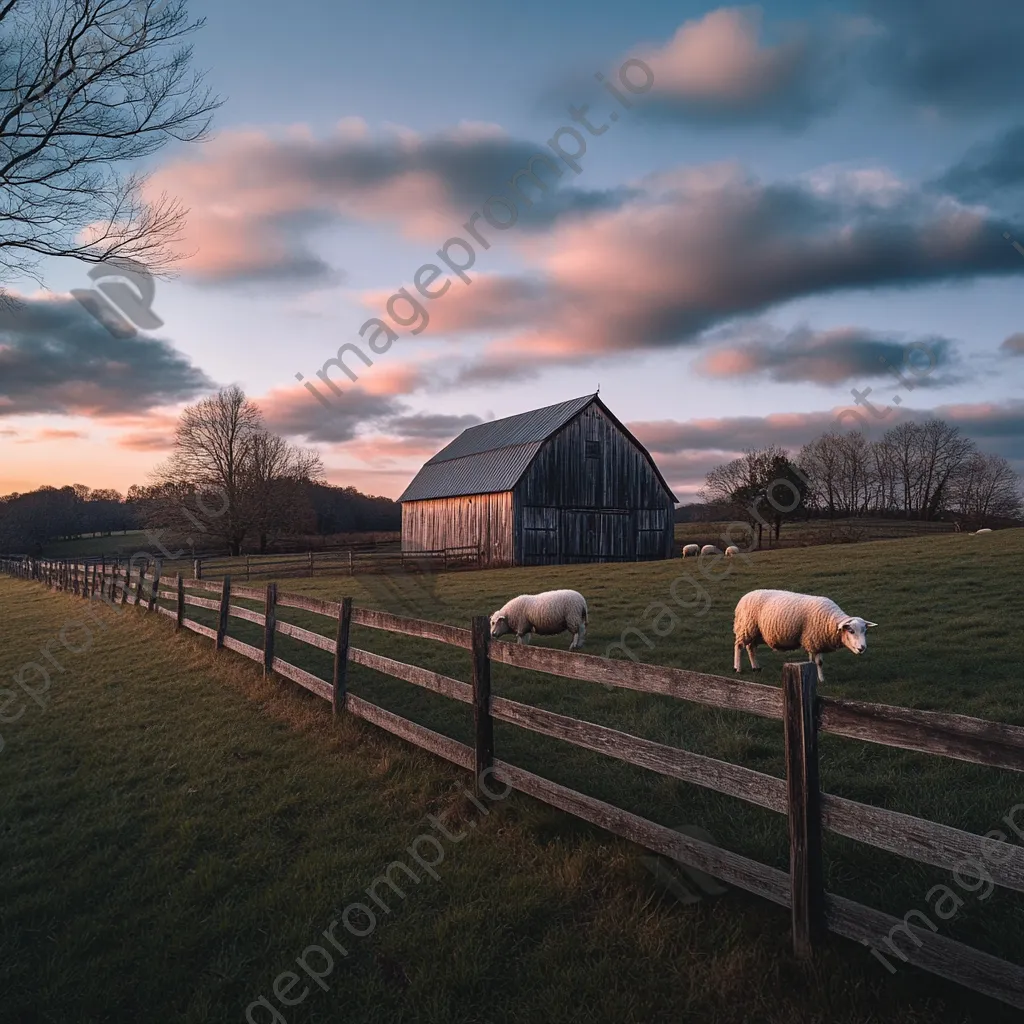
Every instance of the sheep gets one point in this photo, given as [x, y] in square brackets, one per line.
[691, 550]
[710, 549]
[554, 611]
[731, 551]
[976, 532]
[786, 622]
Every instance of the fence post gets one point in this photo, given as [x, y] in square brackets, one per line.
[483, 724]
[799, 683]
[341, 656]
[269, 628]
[310, 563]
[246, 568]
[179, 616]
[225, 602]
[138, 586]
[351, 570]
[197, 568]
[127, 581]
[156, 584]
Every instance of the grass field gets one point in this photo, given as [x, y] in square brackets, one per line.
[176, 830]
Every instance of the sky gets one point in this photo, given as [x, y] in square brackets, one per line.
[777, 213]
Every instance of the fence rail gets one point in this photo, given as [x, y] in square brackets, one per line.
[798, 796]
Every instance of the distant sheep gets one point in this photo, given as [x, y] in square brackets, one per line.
[976, 532]
[731, 551]
[691, 550]
[547, 614]
[787, 622]
[710, 549]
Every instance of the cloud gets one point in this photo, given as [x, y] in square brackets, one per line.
[432, 425]
[702, 246]
[828, 357]
[297, 413]
[256, 200]
[717, 70]
[988, 168]
[1013, 345]
[950, 57]
[56, 358]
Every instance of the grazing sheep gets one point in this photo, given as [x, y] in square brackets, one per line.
[554, 611]
[710, 549]
[731, 551]
[976, 532]
[691, 550]
[786, 622]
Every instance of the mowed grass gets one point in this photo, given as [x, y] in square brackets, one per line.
[175, 830]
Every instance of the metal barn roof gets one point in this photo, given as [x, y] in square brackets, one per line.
[492, 457]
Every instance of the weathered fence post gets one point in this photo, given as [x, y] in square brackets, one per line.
[225, 603]
[310, 563]
[483, 724]
[351, 566]
[156, 585]
[269, 628]
[799, 684]
[246, 568]
[127, 582]
[138, 586]
[197, 569]
[179, 617]
[341, 656]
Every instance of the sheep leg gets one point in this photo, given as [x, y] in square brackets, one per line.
[523, 638]
[754, 667]
[737, 657]
[578, 637]
[818, 660]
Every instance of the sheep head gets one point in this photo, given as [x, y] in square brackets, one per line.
[499, 624]
[853, 633]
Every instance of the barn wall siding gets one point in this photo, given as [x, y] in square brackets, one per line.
[484, 519]
[590, 494]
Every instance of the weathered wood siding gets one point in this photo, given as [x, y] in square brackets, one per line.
[484, 519]
[591, 495]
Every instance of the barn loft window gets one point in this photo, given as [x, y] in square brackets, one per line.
[592, 449]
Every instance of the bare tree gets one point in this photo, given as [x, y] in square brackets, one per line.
[86, 85]
[987, 487]
[277, 475]
[229, 476]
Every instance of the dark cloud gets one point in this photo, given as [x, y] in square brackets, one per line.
[297, 413]
[56, 358]
[829, 357]
[960, 58]
[1013, 345]
[988, 168]
[431, 425]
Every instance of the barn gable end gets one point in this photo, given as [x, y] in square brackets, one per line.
[566, 483]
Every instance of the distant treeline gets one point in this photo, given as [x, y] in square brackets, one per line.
[31, 520]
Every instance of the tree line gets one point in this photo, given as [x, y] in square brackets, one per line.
[229, 484]
[919, 471]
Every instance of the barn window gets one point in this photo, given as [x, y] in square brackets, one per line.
[592, 449]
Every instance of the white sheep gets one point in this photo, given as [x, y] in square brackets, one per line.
[554, 611]
[976, 532]
[787, 622]
[710, 549]
[691, 550]
[731, 551]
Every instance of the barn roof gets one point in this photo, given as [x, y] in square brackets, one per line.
[492, 457]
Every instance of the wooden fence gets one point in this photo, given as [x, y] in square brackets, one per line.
[814, 911]
[338, 562]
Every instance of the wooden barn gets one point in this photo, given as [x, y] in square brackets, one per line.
[567, 483]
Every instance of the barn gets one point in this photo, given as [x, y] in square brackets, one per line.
[566, 483]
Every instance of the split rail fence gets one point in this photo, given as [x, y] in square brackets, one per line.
[804, 714]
